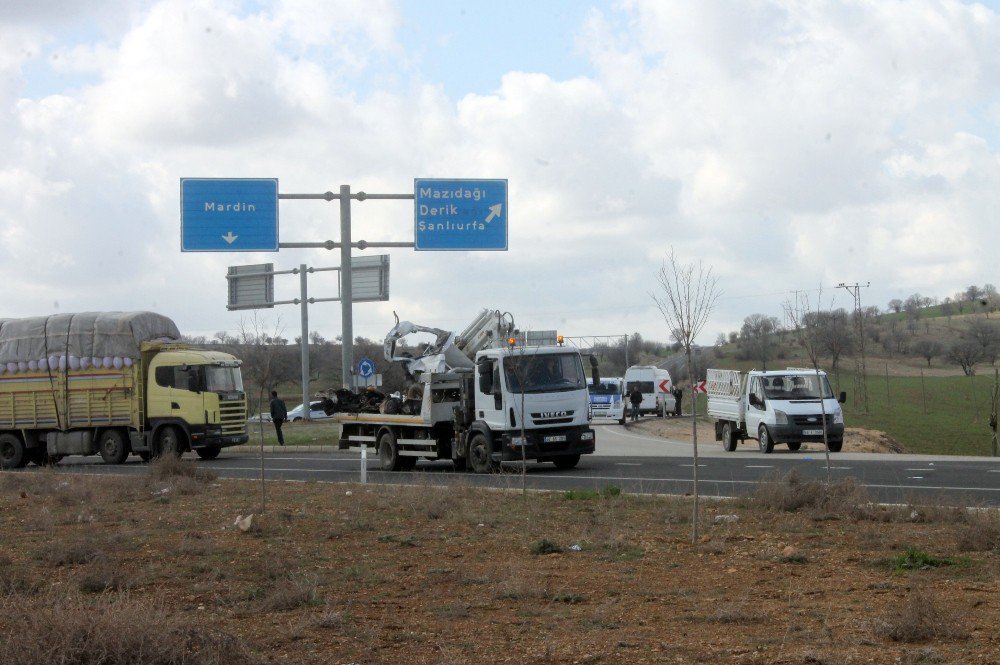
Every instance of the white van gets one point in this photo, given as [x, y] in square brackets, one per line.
[607, 399]
[655, 385]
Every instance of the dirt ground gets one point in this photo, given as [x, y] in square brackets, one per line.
[856, 440]
[155, 569]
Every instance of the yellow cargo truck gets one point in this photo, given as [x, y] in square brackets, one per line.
[113, 383]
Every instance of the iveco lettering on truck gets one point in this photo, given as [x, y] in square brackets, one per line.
[113, 383]
[478, 400]
[774, 407]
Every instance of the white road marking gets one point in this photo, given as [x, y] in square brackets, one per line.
[914, 477]
[758, 466]
[628, 464]
[920, 469]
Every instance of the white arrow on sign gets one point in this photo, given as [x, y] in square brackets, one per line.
[494, 212]
[230, 238]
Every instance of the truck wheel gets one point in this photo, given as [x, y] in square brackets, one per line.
[764, 439]
[728, 440]
[388, 452]
[112, 446]
[566, 461]
[12, 452]
[168, 442]
[794, 445]
[835, 446]
[209, 452]
[479, 455]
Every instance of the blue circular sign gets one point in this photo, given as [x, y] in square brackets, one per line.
[366, 368]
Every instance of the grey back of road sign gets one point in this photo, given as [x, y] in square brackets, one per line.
[251, 287]
[370, 278]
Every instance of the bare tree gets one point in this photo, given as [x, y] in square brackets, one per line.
[987, 334]
[896, 305]
[966, 353]
[808, 326]
[687, 296]
[928, 349]
[835, 335]
[757, 337]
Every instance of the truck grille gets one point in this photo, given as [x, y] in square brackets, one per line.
[814, 420]
[552, 417]
[233, 417]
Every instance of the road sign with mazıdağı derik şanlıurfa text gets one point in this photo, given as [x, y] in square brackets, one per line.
[460, 214]
[229, 214]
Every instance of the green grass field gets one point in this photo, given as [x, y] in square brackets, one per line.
[937, 415]
[315, 433]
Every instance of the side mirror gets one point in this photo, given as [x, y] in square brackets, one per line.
[842, 398]
[754, 400]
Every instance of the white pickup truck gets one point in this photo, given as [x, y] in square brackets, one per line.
[783, 406]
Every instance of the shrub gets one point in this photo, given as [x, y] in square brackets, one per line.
[545, 546]
[980, 532]
[104, 629]
[917, 618]
[166, 467]
[917, 559]
[290, 593]
[792, 493]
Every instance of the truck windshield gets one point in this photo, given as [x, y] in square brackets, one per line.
[223, 379]
[556, 372]
[605, 389]
[798, 386]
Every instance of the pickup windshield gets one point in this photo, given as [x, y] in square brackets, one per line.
[223, 379]
[555, 372]
[798, 386]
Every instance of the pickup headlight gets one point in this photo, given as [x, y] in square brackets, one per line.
[780, 417]
[838, 417]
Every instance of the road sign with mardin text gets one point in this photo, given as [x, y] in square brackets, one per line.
[229, 215]
[460, 214]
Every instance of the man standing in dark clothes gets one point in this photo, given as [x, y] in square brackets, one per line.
[635, 399]
[678, 394]
[279, 414]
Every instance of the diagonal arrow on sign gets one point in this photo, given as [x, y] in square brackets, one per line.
[494, 212]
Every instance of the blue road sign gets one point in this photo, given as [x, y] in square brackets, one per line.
[366, 368]
[229, 215]
[460, 214]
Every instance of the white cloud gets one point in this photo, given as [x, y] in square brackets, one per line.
[785, 144]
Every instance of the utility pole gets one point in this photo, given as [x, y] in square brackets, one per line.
[860, 377]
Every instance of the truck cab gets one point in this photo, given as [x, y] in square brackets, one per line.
[534, 401]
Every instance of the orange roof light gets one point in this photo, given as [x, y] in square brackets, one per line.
[559, 340]
[511, 341]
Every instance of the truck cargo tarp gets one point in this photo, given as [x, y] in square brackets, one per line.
[84, 335]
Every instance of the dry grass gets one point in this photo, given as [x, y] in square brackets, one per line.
[918, 618]
[345, 573]
[109, 630]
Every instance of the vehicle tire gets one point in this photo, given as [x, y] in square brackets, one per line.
[392, 406]
[209, 452]
[566, 461]
[835, 446]
[13, 454]
[479, 456]
[297, 420]
[113, 447]
[764, 439]
[728, 439]
[168, 442]
[794, 445]
[388, 452]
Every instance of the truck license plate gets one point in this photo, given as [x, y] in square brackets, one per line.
[555, 439]
[812, 432]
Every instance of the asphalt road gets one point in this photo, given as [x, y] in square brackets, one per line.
[634, 463]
